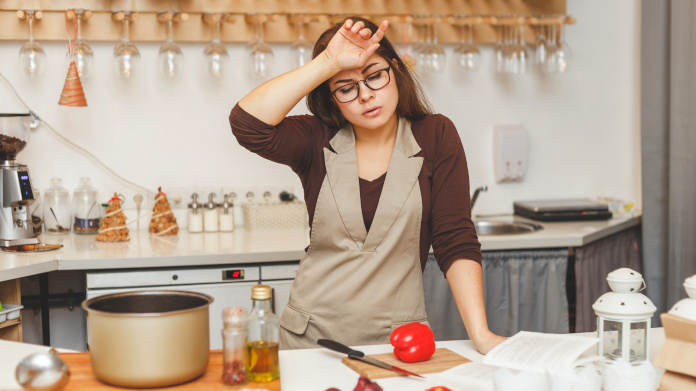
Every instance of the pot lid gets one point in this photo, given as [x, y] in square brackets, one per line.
[685, 308]
[624, 306]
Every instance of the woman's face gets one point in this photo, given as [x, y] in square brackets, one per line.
[371, 109]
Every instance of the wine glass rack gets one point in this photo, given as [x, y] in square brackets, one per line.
[101, 19]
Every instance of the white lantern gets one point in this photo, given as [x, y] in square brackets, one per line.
[623, 318]
[686, 308]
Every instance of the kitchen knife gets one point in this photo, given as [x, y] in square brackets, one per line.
[360, 356]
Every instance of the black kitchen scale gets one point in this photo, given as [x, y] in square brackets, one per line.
[562, 210]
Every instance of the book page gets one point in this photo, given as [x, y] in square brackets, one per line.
[469, 376]
[539, 352]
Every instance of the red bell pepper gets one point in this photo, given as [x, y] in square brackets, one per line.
[413, 342]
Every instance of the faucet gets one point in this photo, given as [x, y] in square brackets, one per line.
[476, 193]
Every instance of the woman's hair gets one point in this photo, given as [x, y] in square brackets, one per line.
[412, 103]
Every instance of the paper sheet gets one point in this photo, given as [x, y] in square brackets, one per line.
[539, 352]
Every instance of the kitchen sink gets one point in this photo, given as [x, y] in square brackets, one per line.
[505, 227]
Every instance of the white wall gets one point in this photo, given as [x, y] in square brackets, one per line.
[583, 126]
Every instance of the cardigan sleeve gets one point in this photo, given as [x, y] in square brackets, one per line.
[453, 232]
[291, 142]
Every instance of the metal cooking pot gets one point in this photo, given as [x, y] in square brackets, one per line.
[147, 339]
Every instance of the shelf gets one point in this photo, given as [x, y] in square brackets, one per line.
[9, 323]
[10, 293]
[446, 14]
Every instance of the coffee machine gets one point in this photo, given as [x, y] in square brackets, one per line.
[16, 227]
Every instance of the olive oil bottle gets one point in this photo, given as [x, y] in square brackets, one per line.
[262, 345]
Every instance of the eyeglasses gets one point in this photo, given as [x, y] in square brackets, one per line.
[374, 81]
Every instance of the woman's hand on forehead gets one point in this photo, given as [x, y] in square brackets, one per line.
[353, 44]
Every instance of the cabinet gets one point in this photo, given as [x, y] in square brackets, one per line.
[10, 294]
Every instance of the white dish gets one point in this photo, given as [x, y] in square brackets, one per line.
[9, 312]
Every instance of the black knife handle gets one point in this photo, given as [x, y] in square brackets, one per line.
[339, 347]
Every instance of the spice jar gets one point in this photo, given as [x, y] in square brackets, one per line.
[234, 349]
[85, 208]
[195, 215]
[57, 208]
[210, 216]
[226, 215]
[263, 365]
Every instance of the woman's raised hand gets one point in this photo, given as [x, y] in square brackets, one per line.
[353, 44]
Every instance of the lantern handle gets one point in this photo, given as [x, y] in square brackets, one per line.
[642, 285]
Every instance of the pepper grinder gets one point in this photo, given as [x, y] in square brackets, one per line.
[195, 216]
[227, 216]
[210, 217]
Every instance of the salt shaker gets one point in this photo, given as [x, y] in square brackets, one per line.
[195, 215]
[226, 216]
[210, 216]
[234, 346]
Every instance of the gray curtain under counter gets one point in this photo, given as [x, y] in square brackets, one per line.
[593, 262]
[523, 290]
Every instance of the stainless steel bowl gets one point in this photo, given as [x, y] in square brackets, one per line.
[147, 339]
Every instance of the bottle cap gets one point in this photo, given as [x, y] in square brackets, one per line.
[234, 316]
[194, 205]
[261, 292]
[226, 205]
[210, 204]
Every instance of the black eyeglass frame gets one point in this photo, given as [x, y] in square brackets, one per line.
[357, 84]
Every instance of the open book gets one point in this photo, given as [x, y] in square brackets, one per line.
[526, 351]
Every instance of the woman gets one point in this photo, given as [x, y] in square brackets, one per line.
[383, 179]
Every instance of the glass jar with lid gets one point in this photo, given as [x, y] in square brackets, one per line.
[57, 215]
[85, 208]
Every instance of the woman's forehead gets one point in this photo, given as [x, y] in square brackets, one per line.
[356, 72]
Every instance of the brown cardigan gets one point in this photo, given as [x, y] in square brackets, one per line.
[298, 142]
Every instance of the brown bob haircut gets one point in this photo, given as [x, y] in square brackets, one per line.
[412, 103]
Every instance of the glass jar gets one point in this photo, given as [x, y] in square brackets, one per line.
[36, 213]
[234, 341]
[85, 208]
[195, 215]
[210, 216]
[57, 208]
[262, 348]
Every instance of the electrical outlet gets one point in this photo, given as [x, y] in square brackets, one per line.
[128, 200]
[240, 194]
[180, 197]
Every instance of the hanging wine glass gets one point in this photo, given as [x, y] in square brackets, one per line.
[301, 49]
[82, 52]
[261, 56]
[32, 58]
[171, 59]
[126, 54]
[215, 55]
[436, 53]
[468, 54]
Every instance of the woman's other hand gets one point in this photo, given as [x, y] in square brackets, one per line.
[486, 342]
[353, 44]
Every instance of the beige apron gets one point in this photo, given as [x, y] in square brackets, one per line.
[353, 286]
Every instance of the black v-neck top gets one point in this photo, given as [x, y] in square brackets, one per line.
[369, 192]
[299, 142]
